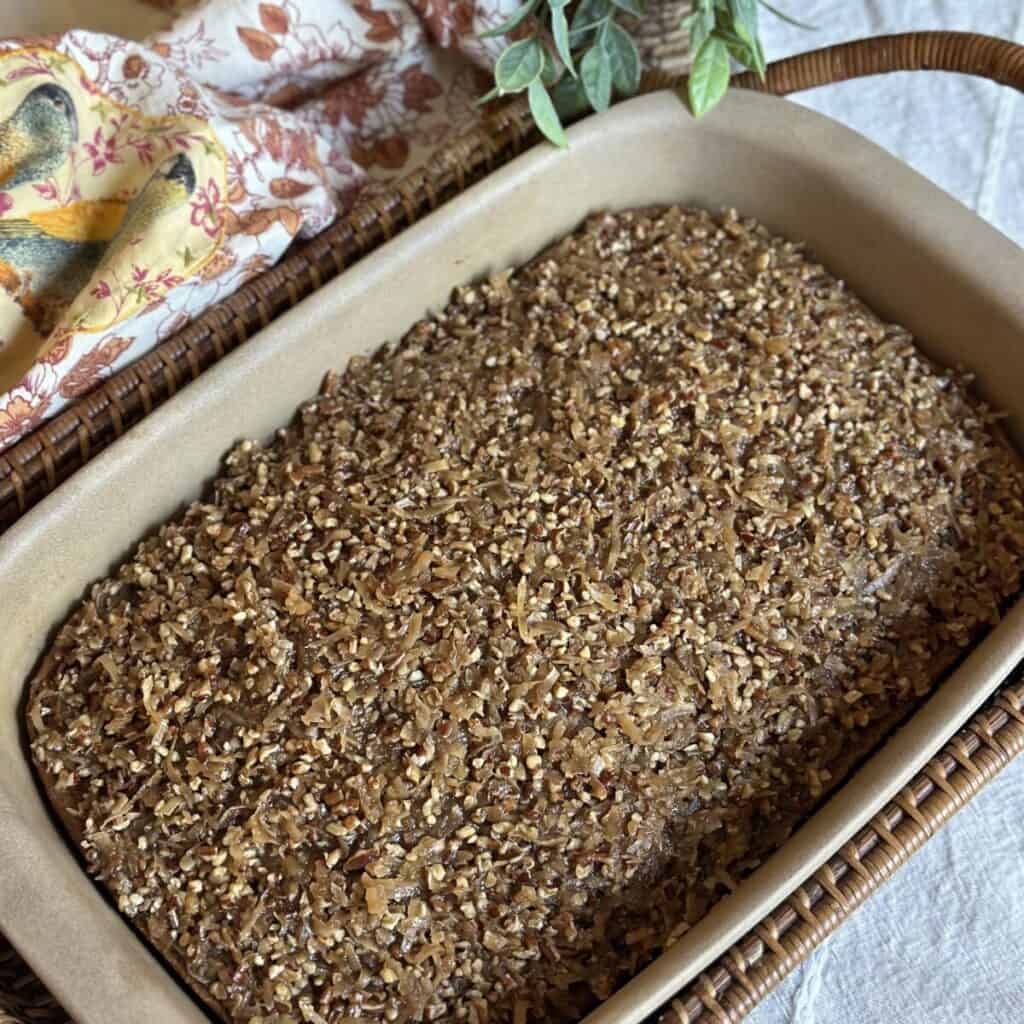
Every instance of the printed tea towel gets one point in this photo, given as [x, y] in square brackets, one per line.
[141, 182]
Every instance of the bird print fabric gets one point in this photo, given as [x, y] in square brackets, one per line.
[141, 182]
[49, 257]
[96, 215]
[37, 138]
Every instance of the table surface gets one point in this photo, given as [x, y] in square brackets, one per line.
[944, 941]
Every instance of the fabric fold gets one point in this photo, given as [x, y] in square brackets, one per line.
[142, 182]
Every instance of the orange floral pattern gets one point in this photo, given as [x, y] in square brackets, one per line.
[81, 377]
[18, 416]
[287, 112]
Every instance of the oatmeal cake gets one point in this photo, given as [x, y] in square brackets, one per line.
[472, 690]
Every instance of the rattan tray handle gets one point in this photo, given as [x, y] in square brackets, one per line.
[963, 52]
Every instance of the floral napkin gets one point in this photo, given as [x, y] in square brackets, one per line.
[141, 182]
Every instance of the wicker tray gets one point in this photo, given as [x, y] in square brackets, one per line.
[758, 961]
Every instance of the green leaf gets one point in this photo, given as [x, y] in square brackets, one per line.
[624, 58]
[583, 36]
[709, 76]
[519, 65]
[634, 7]
[560, 32]
[518, 17]
[569, 98]
[552, 70]
[742, 36]
[750, 56]
[699, 25]
[553, 4]
[785, 17]
[744, 18]
[488, 96]
[590, 13]
[588, 17]
[596, 74]
[762, 63]
[545, 115]
[742, 53]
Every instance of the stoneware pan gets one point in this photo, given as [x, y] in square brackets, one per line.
[911, 251]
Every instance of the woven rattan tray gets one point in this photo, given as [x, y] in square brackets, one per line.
[754, 964]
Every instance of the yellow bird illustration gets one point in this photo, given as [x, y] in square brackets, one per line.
[47, 257]
[37, 138]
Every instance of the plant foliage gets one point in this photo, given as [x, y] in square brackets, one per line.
[577, 56]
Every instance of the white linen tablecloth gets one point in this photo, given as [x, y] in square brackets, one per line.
[943, 942]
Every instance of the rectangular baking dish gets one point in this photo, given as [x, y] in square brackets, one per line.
[910, 250]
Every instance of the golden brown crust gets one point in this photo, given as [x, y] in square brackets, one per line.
[72, 825]
[470, 692]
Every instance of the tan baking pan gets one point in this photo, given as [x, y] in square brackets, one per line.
[905, 246]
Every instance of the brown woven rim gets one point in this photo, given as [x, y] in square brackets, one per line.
[749, 970]
[732, 986]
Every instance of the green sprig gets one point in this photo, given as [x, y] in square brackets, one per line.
[576, 55]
